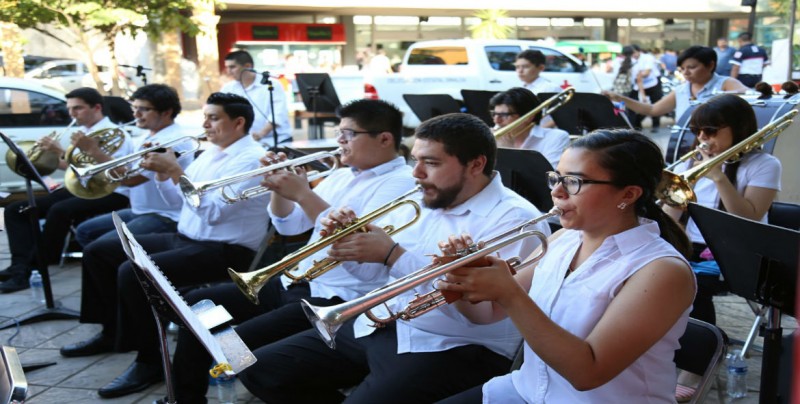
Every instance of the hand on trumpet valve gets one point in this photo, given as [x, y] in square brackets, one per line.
[489, 283]
[287, 184]
[336, 219]
[162, 163]
[371, 245]
[456, 244]
[271, 158]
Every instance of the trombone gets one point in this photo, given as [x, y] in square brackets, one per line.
[193, 191]
[694, 154]
[327, 320]
[251, 282]
[526, 122]
[84, 174]
[676, 190]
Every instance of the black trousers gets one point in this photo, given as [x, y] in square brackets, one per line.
[277, 316]
[113, 296]
[302, 369]
[59, 209]
[707, 287]
[655, 93]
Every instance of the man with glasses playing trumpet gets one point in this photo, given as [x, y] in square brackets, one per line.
[60, 208]
[369, 137]
[155, 107]
[210, 238]
[432, 356]
[508, 107]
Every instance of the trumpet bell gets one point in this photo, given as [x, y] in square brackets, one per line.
[95, 188]
[325, 327]
[674, 190]
[189, 191]
[245, 282]
[45, 163]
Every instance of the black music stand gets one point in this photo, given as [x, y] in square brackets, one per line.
[52, 310]
[523, 171]
[759, 262]
[319, 96]
[209, 323]
[477, 103]
[584, 113]
[427, 106]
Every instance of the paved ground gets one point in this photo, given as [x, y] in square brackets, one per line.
[76, 380]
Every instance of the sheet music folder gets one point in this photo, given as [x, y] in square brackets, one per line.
[759, 260]
[207, 321]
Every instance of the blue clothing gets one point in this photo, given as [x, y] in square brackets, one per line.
[670, 62]
[102, 227]
[724, 60]
[684, 97]
[751, 59]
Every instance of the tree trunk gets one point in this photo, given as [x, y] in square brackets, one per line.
[11, 45]
[170, 51]
[111, 38]
[207, 49]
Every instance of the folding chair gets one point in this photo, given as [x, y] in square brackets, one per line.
[13, 385]
[703, 347]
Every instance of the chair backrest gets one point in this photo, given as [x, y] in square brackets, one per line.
[784, 214]
[477, 103]
[702, 350]
[427, 106]
[13, 385]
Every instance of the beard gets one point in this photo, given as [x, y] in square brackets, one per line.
[444, 196]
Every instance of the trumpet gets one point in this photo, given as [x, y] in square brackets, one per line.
[45, 162]
[676, 190]
[109, 140]
[193, 191]
[327, 320]
[251, 282]
[84, 174]
[526, 122]
[694, 154]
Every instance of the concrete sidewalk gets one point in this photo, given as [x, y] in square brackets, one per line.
[76, 380]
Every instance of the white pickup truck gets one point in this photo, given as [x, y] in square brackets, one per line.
[449, 66]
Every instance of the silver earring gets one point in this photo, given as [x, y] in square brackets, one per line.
[622, 205]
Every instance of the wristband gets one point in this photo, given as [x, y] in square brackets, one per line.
[391, 250]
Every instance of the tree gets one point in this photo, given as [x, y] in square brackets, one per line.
[93, 24]
[490, 26]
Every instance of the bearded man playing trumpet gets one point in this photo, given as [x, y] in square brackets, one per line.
[369, 136]
[155, 107]
[510, 109]
[432, 356]
[60, 208]
[210, 238]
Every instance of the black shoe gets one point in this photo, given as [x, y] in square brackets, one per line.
[92, 346]
[6, 274]
[14, 284]
[137, 377]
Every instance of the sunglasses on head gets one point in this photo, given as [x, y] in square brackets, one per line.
[708, 130]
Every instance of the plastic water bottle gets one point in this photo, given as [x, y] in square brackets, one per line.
[37, 287]
[226, 389]
[737, 375]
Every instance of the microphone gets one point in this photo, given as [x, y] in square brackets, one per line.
[264, 75]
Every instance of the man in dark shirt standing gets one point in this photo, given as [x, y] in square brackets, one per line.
[749, 61]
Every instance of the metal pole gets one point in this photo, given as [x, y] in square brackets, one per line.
[751, 21]
[792, 21]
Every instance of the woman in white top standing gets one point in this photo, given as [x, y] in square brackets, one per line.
[612, 295]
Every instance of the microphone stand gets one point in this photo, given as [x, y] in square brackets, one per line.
[266, 81]
[53, 310]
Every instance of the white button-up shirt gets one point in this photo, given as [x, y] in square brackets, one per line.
[490, 212]
[242, 223]
[542, 85]
[577, 303]
[551, 142]
[146, 198]
[258, 95]
[363, 191]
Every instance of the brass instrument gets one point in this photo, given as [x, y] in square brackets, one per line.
[84, 174]
[327, 320]
[45, 162]
[251, 282]
[109, 140]
[691, 155]
[193, 191]
[526, 122]
[676, 189]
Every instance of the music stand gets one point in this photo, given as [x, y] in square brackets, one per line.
[523, 171]
[477, 103]
[52, 310]
[427, 106]
[209, 323]
[13, 385]
[584, 113]
[319, 96]
[759, 262]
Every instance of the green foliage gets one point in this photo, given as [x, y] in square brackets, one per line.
[490, 27]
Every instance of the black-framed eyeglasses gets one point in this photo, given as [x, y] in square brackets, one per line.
[572, 184]
[502, 115]
[349, 134]
[708, 130]
[141, 109]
